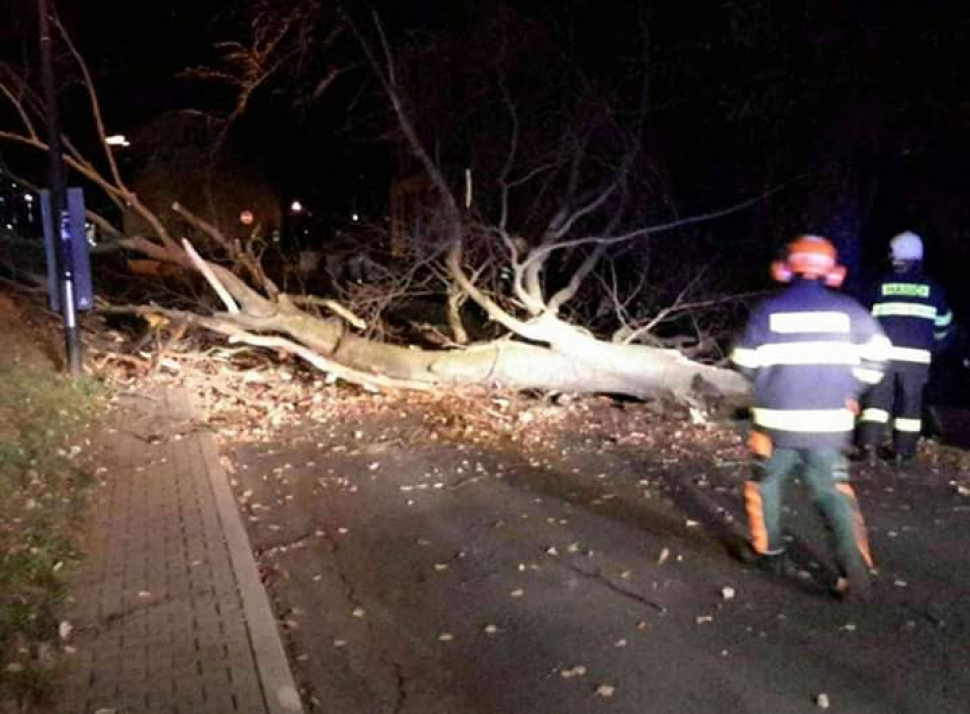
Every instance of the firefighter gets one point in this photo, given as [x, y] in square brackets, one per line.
[810, 352]
[912, 310]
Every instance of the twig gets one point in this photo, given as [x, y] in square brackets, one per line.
[335, 307]
[668, 311]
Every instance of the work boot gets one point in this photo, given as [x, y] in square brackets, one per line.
[777, 565]
[854, 585]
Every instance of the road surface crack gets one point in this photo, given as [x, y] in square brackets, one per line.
[402, 693]
[600, 579]
[349, 590]
[283, 546]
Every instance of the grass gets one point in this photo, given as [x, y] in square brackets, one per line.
[42, 496]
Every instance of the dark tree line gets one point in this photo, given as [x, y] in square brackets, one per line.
[602, 182]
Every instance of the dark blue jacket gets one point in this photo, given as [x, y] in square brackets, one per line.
[809, 350]
[913, 312]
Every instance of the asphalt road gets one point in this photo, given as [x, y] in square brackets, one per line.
[431, 575]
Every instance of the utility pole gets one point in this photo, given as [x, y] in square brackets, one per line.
[60, 226]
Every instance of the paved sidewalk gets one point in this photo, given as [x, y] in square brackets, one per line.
[169, 612]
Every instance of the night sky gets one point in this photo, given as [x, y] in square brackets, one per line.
[744, 94]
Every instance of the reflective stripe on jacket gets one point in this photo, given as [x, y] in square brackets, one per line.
[809, 350]
[914, 314]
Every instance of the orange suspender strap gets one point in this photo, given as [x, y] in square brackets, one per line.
[756, 517]
[760, 444]
[861, 538]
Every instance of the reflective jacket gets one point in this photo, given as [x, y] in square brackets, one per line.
[810, 351]
[913, 312]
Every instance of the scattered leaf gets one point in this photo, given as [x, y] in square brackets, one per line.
[605, 690]
[577, 671]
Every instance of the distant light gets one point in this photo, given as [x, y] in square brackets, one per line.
[116, 140]
[246, 218]
[355, 217]
[29, 198]
[296, 207]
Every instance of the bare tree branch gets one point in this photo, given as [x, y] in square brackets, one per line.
[542, 252]
[335, 307]
[386, 73]
[209, 275]
[18, 106]
[93, 101]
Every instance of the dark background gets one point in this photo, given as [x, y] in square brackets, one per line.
[866, 96]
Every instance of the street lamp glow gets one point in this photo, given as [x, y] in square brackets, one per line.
[296, 207]
[116, 140]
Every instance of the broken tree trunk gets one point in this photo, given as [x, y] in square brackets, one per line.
[594, 366]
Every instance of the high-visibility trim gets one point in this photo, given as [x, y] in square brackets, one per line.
[822, 321]
[745, 357]
[909, 354]
[858, 523]
[940, 335]
[876, 349]
[945, 319]
[907, 289]
[805, 420]
[820, 352]
[904, 309]
[756, 517]
[880, 416]
[867, 376]
[912, 426]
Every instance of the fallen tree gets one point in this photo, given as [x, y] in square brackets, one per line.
[476, 261]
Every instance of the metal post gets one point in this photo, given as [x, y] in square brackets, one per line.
[60, 225]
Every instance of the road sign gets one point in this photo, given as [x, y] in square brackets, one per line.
[73, 234]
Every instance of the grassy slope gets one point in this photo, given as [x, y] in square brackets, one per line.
[41, 502]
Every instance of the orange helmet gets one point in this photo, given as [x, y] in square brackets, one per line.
[812, 257]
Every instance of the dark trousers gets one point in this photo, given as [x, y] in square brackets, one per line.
[897, 398]
[824, 472]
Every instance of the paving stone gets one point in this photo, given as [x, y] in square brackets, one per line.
[158, 610]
